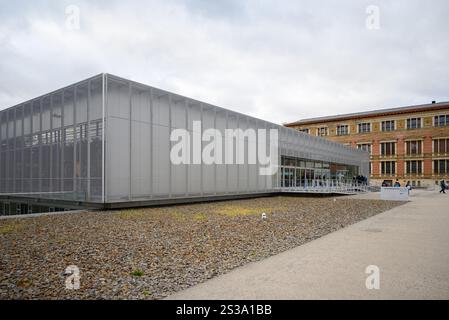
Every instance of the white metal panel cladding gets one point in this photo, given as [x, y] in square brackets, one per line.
[52, 146]
[140, 121]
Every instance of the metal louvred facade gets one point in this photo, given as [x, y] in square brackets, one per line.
[107, 140]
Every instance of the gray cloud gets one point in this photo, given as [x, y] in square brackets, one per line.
[276, 60]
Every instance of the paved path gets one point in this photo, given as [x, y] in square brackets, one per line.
[409, 244]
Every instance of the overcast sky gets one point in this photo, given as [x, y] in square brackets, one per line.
[277, 60]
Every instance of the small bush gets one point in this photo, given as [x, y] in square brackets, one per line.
[24, 283]
[10, 228]
[137, 273]
[200, 217]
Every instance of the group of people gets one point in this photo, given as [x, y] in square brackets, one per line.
[360, 180]
[397, 184]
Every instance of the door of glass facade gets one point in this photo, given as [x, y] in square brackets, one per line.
[300, 173]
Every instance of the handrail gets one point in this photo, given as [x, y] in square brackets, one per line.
[328, 186]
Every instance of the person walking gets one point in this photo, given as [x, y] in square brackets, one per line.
[397, 184]
[409, 187]
[443, 186]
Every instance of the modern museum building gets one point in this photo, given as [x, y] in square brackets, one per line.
[109, 142]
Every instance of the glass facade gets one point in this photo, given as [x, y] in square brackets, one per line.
[296, 172]
[51, 147]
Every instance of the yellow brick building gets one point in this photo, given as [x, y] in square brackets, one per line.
[406, 143]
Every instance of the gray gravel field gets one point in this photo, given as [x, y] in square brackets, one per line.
[151, 253]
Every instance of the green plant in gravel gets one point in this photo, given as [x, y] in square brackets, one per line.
[137, 273]
[146, 293]
[178, 215]
[235, 211]
[200, 217]
[24, 283]
[10, 228]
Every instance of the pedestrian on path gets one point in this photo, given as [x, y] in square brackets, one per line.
[408, 186]
[443, 186]
[397, 184]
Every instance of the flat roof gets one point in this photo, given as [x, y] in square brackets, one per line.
[378, 112]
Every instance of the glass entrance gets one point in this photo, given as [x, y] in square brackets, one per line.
[308, 178]
[288, 177]
[301, 173]
[298, 177]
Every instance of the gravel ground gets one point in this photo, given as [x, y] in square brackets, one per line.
[153, 252]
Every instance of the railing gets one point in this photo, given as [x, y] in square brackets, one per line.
[328, 186]
[57, 195]
[374, 188]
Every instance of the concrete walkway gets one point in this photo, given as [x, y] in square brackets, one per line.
[409, 244]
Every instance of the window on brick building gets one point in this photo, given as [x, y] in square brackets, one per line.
[414, 123]
[388, 125]
[388, 168]
[413, 167]
[342, 130]
[364, 147]
[441, 145]
[441, 167]
[323, 131]
[388, 148]
[413, 147]
[441, 121]
[364, 127]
